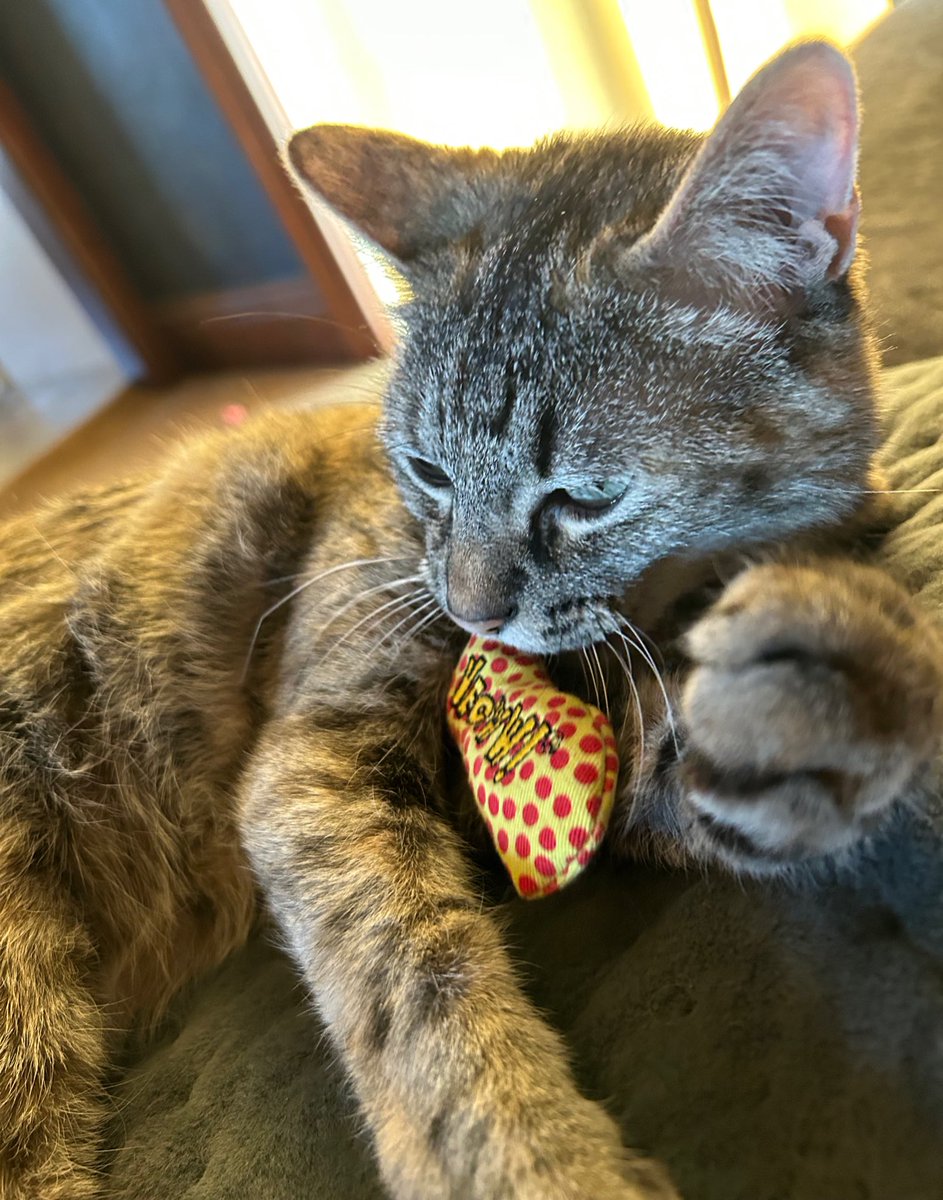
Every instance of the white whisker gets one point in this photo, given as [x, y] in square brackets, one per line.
[357, 562]
[639, 763]
[583, 660]
[592, 676]
[383, 612]
[602, 680]
[355, 600]
[428, 620]
[422, 610]
[424, 621]
[393, 608]
[282, 314]
[899, 491]
[636, 641]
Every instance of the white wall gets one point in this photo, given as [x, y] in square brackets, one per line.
[61, 367]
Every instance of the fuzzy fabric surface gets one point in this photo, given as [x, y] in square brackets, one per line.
[900, 66]
[768, 1044]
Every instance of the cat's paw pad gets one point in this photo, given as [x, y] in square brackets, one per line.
[817, 694]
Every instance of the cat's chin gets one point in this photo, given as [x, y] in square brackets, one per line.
[542, 645]
[521, 640]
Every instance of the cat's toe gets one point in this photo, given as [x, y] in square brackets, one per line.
[764, 822]
[815, 700]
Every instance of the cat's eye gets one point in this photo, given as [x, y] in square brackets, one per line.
[429, 474]
[596, 496]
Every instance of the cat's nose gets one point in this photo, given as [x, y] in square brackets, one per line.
[483, 625]
[477, 597]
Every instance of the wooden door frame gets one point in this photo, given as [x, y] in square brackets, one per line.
[242, 93]
[60, 221]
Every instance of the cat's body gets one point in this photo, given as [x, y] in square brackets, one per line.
[226, 682]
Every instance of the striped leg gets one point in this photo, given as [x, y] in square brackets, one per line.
[465, 1089]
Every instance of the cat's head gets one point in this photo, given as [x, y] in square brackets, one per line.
[620, 347]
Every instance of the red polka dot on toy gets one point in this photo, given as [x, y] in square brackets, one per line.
[550, 781]
[562, 806]
[586, 772]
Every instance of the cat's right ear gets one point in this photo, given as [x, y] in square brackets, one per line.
[768, 208]
[407, 196]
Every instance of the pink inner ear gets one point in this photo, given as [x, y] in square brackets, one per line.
[818, 98]
[782, 156]
[803, 106]
[843, 227]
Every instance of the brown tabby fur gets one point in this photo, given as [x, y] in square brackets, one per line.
[173, 742]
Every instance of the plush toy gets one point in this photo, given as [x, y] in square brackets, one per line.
[542, 764]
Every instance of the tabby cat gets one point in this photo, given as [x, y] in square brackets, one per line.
[632, 407]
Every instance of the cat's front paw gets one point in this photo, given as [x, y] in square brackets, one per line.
[816, 697]
[564, 1147]
[570, 1173]
[570, 1150]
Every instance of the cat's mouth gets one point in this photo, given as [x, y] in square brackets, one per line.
[521, 621]
[544, 639]
[487, 627]
[517, 634]
[578, 623]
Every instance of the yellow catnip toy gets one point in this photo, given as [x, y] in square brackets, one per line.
[542, 764]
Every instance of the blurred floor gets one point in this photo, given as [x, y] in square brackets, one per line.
[143, 423]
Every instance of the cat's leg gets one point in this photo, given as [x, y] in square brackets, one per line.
[815, 700]
[52, 1037]
[465, 1089]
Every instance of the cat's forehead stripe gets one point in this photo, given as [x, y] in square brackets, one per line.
[544, 439]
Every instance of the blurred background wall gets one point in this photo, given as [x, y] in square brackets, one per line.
[115, 94]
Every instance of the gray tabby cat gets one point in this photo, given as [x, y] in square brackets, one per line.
[628, 358]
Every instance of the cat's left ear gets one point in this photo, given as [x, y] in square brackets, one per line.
[407, 196]
[769, 206]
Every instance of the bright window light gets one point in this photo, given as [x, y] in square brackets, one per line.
[667, 41]
[461, 74]
[752, 31]
[505, 72]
